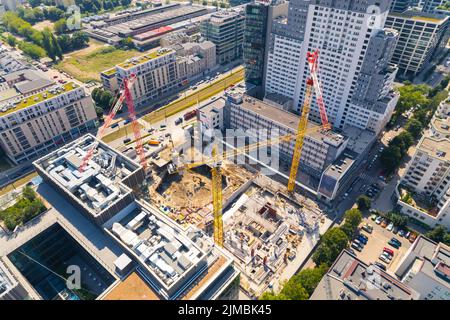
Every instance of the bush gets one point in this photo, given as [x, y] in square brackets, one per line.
[25, 209]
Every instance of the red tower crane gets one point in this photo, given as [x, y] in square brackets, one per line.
[125, 95]
[313, 60]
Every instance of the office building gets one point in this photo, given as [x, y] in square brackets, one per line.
[103, 189]
[421, 35]
[425, 268]
[226, 30]
[176, 263]
[432, 5]
[259, 17]
[400, 5]
[349, 278]
[33, 125]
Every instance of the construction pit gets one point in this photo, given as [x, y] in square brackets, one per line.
[270, 233]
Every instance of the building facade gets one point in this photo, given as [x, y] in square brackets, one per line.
[226, 30]
[431, 5]
[36, 124]
[420, 36]
[400, 5]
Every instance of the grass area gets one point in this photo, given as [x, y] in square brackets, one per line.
[26, 208]
[144, 58]
[18, 183]
[196, 97]
[39, 97]
[86, 65]
[122, 132]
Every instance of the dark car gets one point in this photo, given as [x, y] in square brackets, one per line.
[362, 239]
[127, 140]
[396, 241]
[394, 244]
[115, 125]
[380, 265]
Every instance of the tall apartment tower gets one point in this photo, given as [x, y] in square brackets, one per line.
[259, 17]
[344, 32]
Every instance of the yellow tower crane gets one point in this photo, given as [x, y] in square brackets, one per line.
[215, 161]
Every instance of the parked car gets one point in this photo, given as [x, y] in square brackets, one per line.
[127, 140]
[384, 223]
[380, 265]
[390, 227]
[393, 244]
[163, 126]
[356, 246]
[127, 121]
[390, 251]
[397, 241]
[402, 233]
[384, 259]
[178, 121]
[388, 256]
[407, 235]
[362, 240]
[115, 125]
[378, 220]
[412, 237]
[395, 230]
[151, 130]
[373, 217]
[368, 228]
[361, 244]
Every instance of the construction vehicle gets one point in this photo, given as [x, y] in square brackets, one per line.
[153, 142]
[215, 161]
[124, 95]
[311, 82]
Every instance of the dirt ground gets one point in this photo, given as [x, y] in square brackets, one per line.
[43, 24]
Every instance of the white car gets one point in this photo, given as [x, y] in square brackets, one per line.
[384, 259]
[390, 226]
[378, 220]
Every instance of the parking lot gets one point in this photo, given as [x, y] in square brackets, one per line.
[377, 240]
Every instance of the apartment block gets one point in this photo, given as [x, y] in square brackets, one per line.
[226, 30]
[34, 125]
[423, 192]
[421, 35]
[161, 71]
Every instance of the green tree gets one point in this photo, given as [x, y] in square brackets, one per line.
[414, 127]
[28, 193]
[293, 290]
[390, 158]
[32, 50]
[60, 26]
[353, 217]
[363, 202]
[332, 243]
[268, 295]
[310, 278]
[438, 234]
[11, 40]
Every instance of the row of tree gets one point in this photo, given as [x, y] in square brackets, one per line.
[302, 285]
[424, 102]
[439, 234]
[41, 43]
[37, 14]
[96, 6]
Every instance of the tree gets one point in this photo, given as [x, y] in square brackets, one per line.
[331, 244]
[414, 127]
[390, 158]
[11, 40]
[29, 193]
[397, 219]
[293, 290]
[353, 217]
[60, 26]
[310, 278]
[32, 50]
[363, 202]
[438, 234]
[269, 295]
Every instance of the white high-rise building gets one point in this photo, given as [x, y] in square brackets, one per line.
[355, 52]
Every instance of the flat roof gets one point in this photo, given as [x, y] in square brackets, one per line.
[441, 125]
[132, 287]
[289, 119]
[420, 16]
[40, 97]
[132, 62]
[437, 148]
[99, 185]
[350, 278]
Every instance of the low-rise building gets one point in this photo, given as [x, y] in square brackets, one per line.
[10, 289]
[425, 268]
[33, 125]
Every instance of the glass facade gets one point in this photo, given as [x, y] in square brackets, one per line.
[255, 42]
[44, 262]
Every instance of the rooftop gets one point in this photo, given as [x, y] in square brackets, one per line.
[6, 281]
[421, 16]
[132, 287]
[99, 186]
[176, 263]
[145, 58]
[438, 148]
[351, 279]
[37, 98]
[441, 125]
